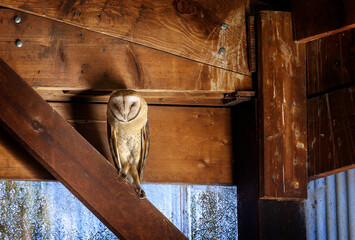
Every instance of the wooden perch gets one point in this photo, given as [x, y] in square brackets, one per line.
[74, 162]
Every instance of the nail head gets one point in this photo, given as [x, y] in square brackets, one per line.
[18, 43]
[224, 26]
[17, 19]
[222, 51]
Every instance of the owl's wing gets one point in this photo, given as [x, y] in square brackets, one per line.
[112, 139]
[144, 150]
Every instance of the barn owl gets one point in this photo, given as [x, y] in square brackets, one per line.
[128, 134]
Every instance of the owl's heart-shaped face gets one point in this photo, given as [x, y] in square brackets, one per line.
[125, 108]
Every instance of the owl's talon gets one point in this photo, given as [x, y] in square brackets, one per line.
[141, 193]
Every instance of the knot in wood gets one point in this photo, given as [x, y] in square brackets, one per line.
[36, 125]
[182, 6]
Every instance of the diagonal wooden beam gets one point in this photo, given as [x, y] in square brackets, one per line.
[74, 162]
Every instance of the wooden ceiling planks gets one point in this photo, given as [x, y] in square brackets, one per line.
[186, 28]
[282, 108]
[74, 162]
[320, 18]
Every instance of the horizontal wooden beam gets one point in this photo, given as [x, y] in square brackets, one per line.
[197, 144]
[282, 108]
[59, 55]
[197, 30]
[331, 132]
[156, 97]
[74, 162]
[320, 18]
[330, 63]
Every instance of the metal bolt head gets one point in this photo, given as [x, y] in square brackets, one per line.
[17, 19]
[222, 51]
[224, 26]
[18, 43]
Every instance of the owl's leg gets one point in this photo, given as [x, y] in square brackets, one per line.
[137, 182]
[125, 169]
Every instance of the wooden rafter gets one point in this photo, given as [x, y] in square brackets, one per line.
[74, 162]
[190, 29]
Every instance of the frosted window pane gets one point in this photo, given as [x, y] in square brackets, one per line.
[47, 210]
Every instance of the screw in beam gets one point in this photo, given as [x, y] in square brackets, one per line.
[224, 26]
[222, 51]
[17, 19]
[18, 43]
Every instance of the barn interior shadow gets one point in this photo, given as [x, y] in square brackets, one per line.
[89, 119]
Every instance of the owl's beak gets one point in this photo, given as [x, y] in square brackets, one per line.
[125, 117]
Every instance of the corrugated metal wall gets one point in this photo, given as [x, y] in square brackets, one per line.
[330, 208]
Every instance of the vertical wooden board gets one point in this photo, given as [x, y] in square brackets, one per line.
[330, 62]
[191, 29]
[74, 162]
[320, 18]
[331, 132]
[282, 108]
[59, 55]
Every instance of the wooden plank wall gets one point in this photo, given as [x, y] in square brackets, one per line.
[196, 141]
[57, 56]
[331, 132]
[190, 29]
[74, 162]
[331, 62]
[319, 18]
[330, 105]
[282, 108]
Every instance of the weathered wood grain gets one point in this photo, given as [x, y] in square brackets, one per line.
[187, 28]
[320, 18]
[282, 110]
[330, 62]
[331, 132]
[157, 97]
[196, 141]
[74, 162]
[59, 55]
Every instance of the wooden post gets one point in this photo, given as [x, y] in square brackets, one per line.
[282, 109]
[74, 162]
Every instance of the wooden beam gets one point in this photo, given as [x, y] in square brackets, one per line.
[190, 29]
[282, 108]
[74, 162]
[59, 55]
[330, 63]
[156, 97]
[197, 144]
[319, 18]
[331, 132]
